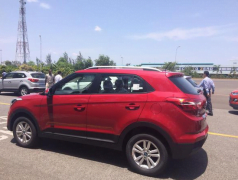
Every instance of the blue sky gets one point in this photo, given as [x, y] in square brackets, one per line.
[141, 31]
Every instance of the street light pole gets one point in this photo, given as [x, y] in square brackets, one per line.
[176, 53]
[40, 52]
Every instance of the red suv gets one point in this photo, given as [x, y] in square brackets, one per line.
[234, 99]
[151, 115]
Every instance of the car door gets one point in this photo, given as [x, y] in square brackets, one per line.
[7, 81]
[64, 112]
[110, 111]
[17, 80]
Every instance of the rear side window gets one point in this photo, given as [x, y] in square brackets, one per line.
[38, 75]
[121, 84]
[192, 82]
[183, 85]
[19, 75]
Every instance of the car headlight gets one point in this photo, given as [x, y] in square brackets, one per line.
[15, 100]
[234, 93]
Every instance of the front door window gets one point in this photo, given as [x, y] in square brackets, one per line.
[77, 85]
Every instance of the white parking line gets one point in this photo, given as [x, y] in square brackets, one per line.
[3, 117]
[6, 132]
[2, 137]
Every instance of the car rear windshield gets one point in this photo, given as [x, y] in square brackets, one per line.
[38, 75]
[192, 82]
[183, 85]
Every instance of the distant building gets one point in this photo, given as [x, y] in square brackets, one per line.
[199, 67]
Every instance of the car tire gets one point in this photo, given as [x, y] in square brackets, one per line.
[23, 91]
[147, 160]
[24, 132]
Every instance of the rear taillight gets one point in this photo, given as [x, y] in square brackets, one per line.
[191, 106]
[33, 80]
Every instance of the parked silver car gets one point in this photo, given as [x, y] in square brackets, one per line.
[23, 82]
[189, 79]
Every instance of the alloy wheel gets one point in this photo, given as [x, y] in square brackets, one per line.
[23, 132]
[23, 91]
[146, 154]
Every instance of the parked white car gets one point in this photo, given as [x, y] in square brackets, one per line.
[23, 82]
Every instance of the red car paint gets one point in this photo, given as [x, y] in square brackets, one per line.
[180, 115]
[234, 99]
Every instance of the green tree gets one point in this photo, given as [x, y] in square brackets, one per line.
[216, 68]
[188, 71]
[37, 61]
[26, 67]
[233, 72]
[48, 59]
[170, 66]
[79, 64]
[88, 63]
[16, 63]
[104, 61]
[62, 62]
[66, 57]
[31, 63]
[8, 63]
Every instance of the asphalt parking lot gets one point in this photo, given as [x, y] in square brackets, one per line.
[63, 160]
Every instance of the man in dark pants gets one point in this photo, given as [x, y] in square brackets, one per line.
[208, 86]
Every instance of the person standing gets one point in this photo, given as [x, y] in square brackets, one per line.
[49, 80]
[4, 73]
[58, 77]
[208, 87]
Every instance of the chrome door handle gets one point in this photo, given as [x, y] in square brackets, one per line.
[132, 106]
[79, 108]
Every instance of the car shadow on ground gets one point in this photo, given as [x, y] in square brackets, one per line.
[8, 94]
[191, 167]
[233, 112]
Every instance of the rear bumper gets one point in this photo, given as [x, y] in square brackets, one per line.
[182, 150]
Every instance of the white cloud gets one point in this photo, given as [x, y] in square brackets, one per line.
[45, 6]
[32, 1]
[184, 34]
[75, 54]
[97, 28]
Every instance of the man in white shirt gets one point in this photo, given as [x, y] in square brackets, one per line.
[4, 73]
[208, 88]
[58, 77]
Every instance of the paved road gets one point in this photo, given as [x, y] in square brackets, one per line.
[62, 160]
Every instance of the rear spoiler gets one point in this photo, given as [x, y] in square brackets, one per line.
[174, 74]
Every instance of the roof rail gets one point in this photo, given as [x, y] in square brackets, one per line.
[124, 67]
